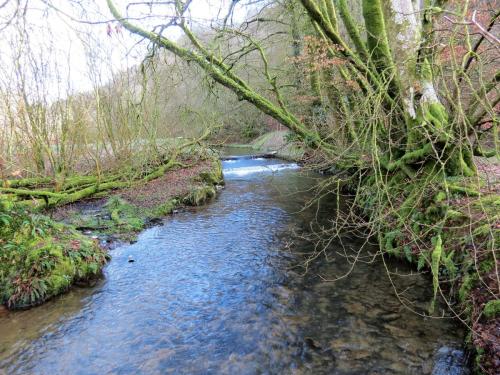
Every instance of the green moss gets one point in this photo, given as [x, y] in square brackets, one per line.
[117, 216]
[117, 208]
[482, 230]
[492, 309]
[40, 259]
[441, 196]
[490, 204]
[377, 40]
[468, 282]
[352, 29]
[435, 261]
[166, 208]
[455, 215]
[200, 195]
[214, 176]
[486, 266]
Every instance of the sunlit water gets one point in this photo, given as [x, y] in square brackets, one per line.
[217, 290]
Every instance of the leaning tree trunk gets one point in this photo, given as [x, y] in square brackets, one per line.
[391, 57]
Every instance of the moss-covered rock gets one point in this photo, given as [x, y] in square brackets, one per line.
[200, 195]
[214, 176]
[124, 215]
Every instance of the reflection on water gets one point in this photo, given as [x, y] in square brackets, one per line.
[214, 290]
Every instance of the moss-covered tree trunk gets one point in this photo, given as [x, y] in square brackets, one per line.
[391, 57]
[407, 149]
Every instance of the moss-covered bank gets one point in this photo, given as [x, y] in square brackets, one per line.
[41, 257]
[126, 212]
[453, 232]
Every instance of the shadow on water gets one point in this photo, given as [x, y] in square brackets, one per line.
[216, 290]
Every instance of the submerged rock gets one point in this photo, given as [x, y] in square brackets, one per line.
[312, 344]
[389, 317]
[450, 361]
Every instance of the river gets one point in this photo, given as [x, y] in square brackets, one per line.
[221, 289]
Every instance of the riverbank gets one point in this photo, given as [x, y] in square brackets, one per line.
[278, 143]
[45, 252]
[462, 266]
[459, 253]
[125, 212]
[450, 230]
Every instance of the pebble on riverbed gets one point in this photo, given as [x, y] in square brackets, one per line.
[449, 361]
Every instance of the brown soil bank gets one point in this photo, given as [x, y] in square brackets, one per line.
[157, 197]
[122, 213]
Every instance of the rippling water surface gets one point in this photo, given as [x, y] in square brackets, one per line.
[216, 290]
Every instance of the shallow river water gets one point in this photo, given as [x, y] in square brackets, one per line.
[219, 290]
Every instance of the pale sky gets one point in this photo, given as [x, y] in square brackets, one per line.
[83, 55]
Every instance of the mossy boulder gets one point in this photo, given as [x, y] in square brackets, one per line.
[124, 215]
[200, 195]
[214, 176]
[115, 217]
